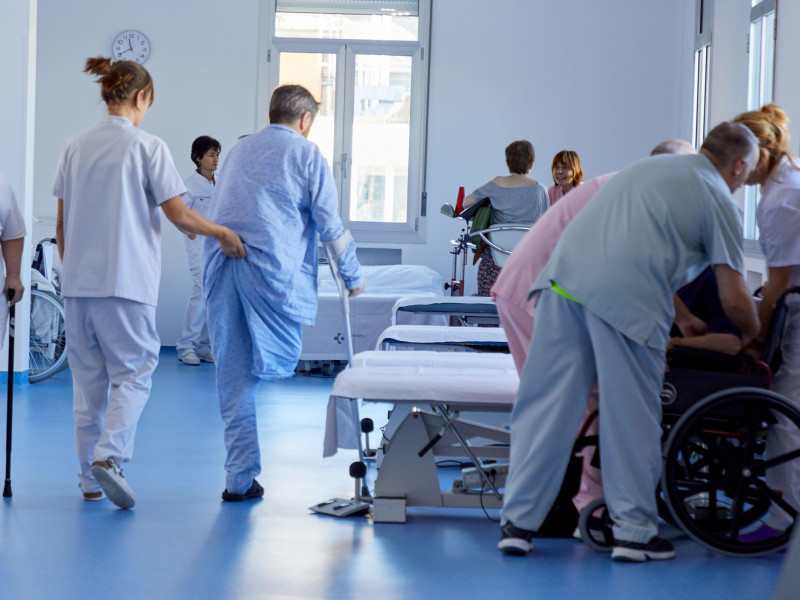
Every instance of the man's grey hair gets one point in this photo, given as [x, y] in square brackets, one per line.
[289, 103]
[674, 146]
[728, 142]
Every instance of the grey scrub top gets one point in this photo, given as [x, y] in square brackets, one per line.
[514, 205]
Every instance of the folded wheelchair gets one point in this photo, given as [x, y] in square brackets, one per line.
[718, 418]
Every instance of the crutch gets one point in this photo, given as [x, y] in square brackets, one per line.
[339, 507]
[10, 395]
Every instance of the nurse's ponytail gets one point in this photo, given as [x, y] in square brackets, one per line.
[121, 81]
[770, 125]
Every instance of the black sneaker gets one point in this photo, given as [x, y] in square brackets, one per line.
[656, 549]
[515, 540]
[255, 491]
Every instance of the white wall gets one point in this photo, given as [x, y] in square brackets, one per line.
[608, 80]
[203, 64]
[18, 76]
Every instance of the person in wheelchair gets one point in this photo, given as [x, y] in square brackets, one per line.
[700, 298]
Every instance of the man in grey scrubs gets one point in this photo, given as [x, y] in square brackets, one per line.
[604, 313]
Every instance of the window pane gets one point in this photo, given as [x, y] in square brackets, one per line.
[768, 57]
[754, 95]
[381, 116]
[752, 195]
[353, 27]
[317, 73]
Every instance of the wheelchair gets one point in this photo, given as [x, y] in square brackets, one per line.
[718, 415]
[47, 349]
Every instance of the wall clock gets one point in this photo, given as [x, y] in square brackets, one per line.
[131, 45]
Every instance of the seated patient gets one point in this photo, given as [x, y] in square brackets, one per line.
[701, 299]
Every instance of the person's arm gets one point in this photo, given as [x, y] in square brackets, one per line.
[469, 201]
[737, 303]
[718, 342]
[776, 284]
[12, 254]
[689, 324]
[189, 221]
[60, 229]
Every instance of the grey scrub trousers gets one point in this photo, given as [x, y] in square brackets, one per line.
[571, 349]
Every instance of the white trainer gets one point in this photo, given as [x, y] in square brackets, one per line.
[188, 357]
[112, 480]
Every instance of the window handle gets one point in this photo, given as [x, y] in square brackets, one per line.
[344, 165]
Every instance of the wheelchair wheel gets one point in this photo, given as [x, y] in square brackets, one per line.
[716, 468]
[595, 526]
[47, 351]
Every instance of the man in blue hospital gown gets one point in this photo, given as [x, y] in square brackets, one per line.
[603, 313]
[278, 189]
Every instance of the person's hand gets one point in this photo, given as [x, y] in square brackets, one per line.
[673, 342]
[232, 244]
[359, 289]
[16, 285]
[692, 327]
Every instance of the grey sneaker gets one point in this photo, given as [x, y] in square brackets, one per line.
[112, 480]
[188, 357]
[656, 549]
[515, 540]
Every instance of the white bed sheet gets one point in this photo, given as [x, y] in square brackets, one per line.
[469, 381]
[371, 312]
[439, 334]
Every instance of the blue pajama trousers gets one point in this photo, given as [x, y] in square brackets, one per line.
[571, 349]
[250, 342]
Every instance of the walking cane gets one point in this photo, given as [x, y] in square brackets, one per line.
[10, 396]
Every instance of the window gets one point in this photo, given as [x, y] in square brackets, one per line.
[761, 52]
[365, 61]
[702, 70]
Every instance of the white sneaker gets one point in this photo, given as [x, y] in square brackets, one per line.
[188, 357]
[205, 357]
[112, 480]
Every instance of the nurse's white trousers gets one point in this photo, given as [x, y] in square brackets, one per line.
[571, 348]
[783, 436]
[112, 351]
[195, 326]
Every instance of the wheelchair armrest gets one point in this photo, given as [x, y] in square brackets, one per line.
[771, 354]
[708, 360]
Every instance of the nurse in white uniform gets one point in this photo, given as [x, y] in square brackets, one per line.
[110, 183]
[193, 347]
[778, 219]
[12, 243]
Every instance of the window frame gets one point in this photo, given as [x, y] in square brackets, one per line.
[346, 51]
[752, 194]
[702, 70]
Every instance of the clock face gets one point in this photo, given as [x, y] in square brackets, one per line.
[131, 45]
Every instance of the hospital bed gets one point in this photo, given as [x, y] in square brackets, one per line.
[468, 309]
[433, 388]
[372, 311]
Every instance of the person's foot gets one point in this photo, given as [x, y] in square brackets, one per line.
[188, 357]
[515, 540]
[112, 480]
[763, 533]
[255, 491]
[205, 356]
[93, 496]
[656, 549]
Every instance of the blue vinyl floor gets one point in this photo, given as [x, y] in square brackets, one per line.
[181, 541]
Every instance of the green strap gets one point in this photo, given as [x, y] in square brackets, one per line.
[562, 292]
